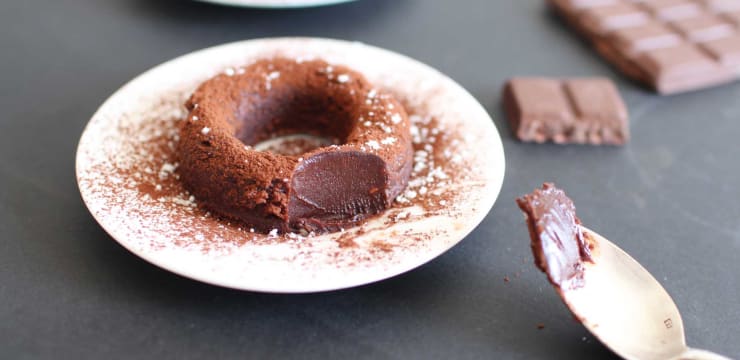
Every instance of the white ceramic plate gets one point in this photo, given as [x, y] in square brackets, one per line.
[276, 3]
[126, 171]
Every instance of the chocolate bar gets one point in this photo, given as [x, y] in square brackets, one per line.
[583, 111]
[671, 45]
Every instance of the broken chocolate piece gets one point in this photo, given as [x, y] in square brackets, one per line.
[583, 111]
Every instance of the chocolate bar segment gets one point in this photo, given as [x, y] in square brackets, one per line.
[582, 111]
[669, 10]
[722, 5]
[584, 4]
[681, 66]
[704, 28]
[603, 19]
[734, 17]
[601, 116]
[671, 45]
[726, 51]
[633, 41]
[538, 109]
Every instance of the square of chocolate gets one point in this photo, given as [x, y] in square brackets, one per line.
[603, 19]
[632, 41]
[703, 28]
[581, 110]
[682, 66]
[575, 5]
[722, 5]
[538, 109]
[726, 51]
[601, 116]
[734, 17]
[672, 9]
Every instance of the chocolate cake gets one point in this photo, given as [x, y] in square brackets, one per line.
[323, 190]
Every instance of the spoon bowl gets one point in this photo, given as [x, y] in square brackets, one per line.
[626, 308]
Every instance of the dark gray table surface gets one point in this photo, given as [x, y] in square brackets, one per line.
[67, 290]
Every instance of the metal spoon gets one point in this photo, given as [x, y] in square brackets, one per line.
[627, 309]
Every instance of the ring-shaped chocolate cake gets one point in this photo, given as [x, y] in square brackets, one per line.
[323, 190]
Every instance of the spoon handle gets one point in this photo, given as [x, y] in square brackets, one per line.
[696, 354]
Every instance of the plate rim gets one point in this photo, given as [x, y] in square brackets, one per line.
[495, 186]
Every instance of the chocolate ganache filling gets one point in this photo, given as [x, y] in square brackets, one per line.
[558, 244]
